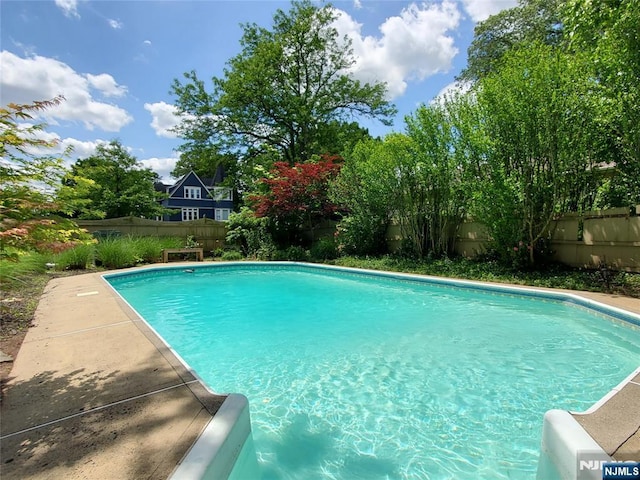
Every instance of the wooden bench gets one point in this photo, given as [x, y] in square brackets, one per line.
[167, 251]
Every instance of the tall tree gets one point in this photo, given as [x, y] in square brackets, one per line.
[544, 145]
[609, 32]
[204, 162]
[121, 185]
[435, 204]
[530, 21]
[283, 90]
[366, 190]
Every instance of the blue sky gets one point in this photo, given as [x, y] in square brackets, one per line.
[114, 61]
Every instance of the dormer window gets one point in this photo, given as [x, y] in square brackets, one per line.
[192, 192]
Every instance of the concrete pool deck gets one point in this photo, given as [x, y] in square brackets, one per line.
[94, 394]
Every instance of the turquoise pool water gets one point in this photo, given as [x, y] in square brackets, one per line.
[359, 376]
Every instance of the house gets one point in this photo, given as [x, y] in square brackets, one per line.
[194, 198]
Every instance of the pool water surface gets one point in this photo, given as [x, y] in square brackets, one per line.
[354, 375]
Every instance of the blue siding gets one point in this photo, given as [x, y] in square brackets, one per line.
[206, 204]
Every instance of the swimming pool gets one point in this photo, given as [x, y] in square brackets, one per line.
[353, 375]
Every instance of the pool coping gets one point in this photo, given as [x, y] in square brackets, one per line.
[66, 291]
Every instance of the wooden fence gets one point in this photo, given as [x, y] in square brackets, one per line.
[587, 240]
[580, 240]
[208, 233]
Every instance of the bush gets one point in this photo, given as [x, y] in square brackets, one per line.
[292, 254]
[249, 233]
[324, 249]
[76, 258]
[232, 256]
[362, 235]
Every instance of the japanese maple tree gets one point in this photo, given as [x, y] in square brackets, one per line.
[297, 197]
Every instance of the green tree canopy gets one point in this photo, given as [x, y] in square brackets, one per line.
[417, 178]
[365, 188]
[120, 186]
[609, 33]
[531, 21]
[544, 145]
[283, 91]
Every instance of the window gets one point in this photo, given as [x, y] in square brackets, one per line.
[190, 214]
[222, 214]
[192, 192]
[222, 193]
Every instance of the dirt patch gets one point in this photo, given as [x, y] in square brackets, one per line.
[18, 303]
[10, 346]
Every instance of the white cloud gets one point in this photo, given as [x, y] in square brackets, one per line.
[69, 7]
[480, 10]
[115, 24]
[23, 80]
[147, 42]
[75, 148]
[106, 84]
[413, 45]
[162, 166]
[164, 118]
[81, 149]
[452, 89]
[357, 4]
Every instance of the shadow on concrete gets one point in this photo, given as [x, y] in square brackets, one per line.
[86, 425]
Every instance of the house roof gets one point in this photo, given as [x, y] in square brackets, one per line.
[208, 183]
[183, 179]
[161, 187]
[217, 179]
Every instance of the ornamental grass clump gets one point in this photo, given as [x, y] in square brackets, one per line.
[149, 249]
[19, 269]
[117, 253]
[77, 258]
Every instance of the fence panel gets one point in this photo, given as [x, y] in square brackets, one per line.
[210, 234]
[580, 240]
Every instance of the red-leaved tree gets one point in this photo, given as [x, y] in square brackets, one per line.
[296, 197]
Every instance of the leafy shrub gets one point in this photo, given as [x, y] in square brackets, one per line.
[362, 235]
[324, 249]
[191, 242]
[267, 251]
[232, 256]
[407, 249]
[249, 233]
[76, 258]
[291, 254]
